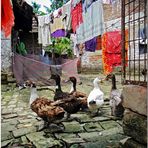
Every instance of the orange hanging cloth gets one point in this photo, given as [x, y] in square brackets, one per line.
[7, 17]
[111, 50]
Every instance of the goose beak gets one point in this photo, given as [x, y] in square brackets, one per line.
[66, 81]
[102, 80]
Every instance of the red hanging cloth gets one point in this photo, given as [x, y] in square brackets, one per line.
[111, 50]
[7, 17]
[76, 15]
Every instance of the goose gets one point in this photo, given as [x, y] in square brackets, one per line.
[78, 94]
[70, 103]
[73, 89]
[115, 98]
[44, 107]
[95, 98]
[59, 94]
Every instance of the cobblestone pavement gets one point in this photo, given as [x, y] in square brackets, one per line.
[21, 128]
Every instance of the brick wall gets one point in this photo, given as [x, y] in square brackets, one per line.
[91, 61]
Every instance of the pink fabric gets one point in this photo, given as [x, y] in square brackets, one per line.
[32, 68]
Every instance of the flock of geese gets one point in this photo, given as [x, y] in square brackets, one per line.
[74, 101]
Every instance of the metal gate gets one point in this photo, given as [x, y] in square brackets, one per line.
[134, 20]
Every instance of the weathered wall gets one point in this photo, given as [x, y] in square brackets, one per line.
[6, 53]
[92, 61]
[135, 115]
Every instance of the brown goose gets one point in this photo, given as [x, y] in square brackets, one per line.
[44, 107]
[78, 94]
[59, 94]
[73, 90]
[70, 103]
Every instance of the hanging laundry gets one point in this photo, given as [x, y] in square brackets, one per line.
[87, 4]
[66, 9]
[91, 45]
[76, 15]
[75, 46]
[75, 2]
[44, 35]
[143, 40]
[99, 43]
[106, 1]
[93, 21]
[7, 17]
[57, 24]
[111, 50]
[59, 33]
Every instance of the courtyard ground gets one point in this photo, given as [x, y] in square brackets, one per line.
[21, 128]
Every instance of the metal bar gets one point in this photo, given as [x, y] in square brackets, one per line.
[137, 60]
[129, 2]
[138, 37]
[134, 38]
[145, 54]
[123, 39]
[135, 20]
[129, 43]
[141, 83]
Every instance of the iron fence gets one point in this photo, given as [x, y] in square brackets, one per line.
[134, 67]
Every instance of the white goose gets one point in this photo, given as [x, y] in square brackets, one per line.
[95, 99]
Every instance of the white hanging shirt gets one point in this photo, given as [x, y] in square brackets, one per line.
[44, 34]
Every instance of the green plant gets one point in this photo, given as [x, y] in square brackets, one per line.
[61, 46]
[21, 48]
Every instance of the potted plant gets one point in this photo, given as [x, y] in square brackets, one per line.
[61, 48]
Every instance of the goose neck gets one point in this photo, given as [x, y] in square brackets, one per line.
[33, 95]
[58, 85]
[73, 88]
[114, 83]
[96, 85]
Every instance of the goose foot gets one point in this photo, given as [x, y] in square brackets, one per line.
[46, 124]
[94, 114]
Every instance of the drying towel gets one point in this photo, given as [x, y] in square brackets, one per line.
[66, 9]
[93, 21]
[44, 35]
[59, 33]
[57, 24]
[75, 46]
[91, 45]
[76, 15]
[7, 17]
[111, 50]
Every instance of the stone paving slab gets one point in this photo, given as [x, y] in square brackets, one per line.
[39, 140]
[91, 127]
[72, 127]
[22, 128]
[23, 131]
[109, 124]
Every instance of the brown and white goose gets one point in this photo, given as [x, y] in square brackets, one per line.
[44, 107]
[115, 98]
